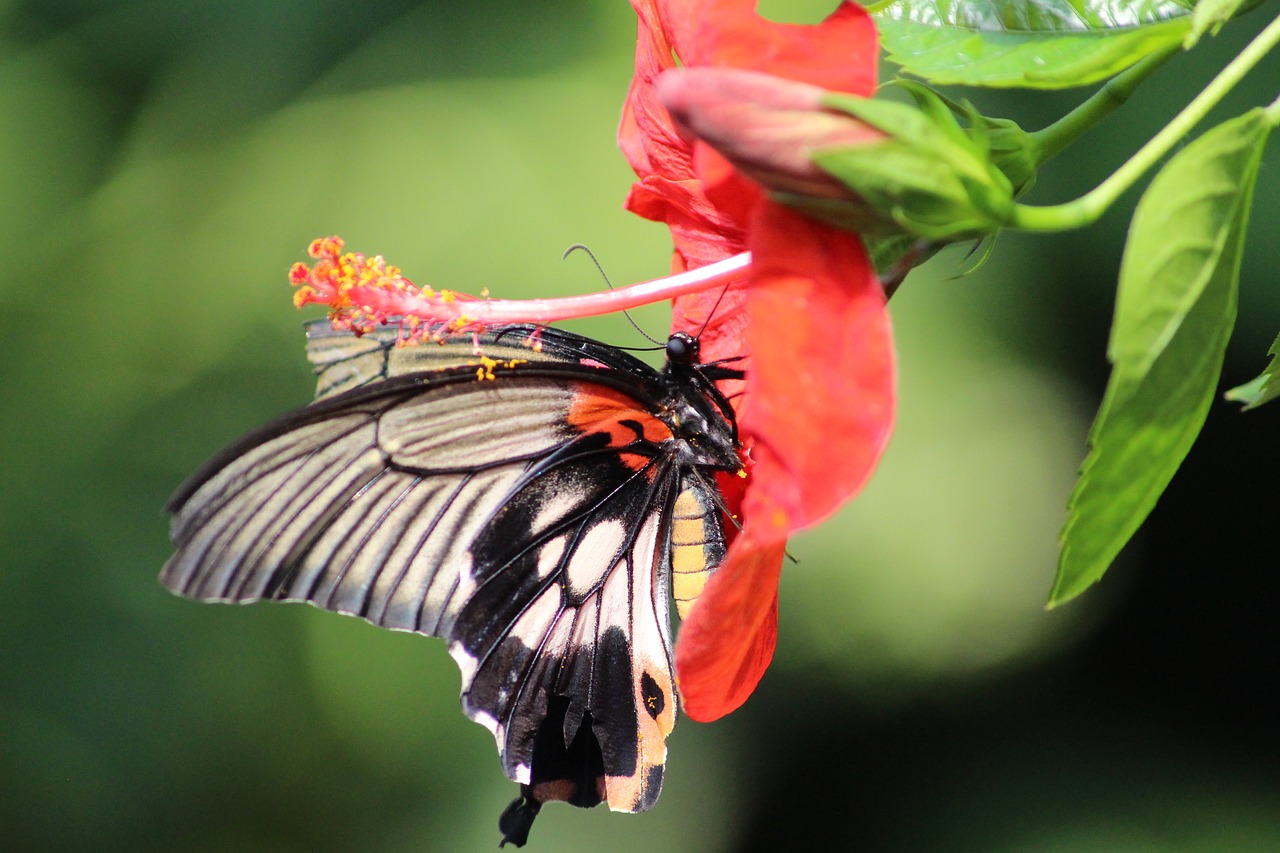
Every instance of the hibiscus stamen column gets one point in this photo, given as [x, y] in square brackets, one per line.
[364, 292]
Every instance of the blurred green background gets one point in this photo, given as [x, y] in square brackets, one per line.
[163, 163]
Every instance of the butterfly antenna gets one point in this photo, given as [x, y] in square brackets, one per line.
[710, 487]
[605, 276]
[712, 312]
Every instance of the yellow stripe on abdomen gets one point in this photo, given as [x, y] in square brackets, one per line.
[697, 545]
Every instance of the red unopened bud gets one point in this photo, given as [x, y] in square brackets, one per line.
[767, 127]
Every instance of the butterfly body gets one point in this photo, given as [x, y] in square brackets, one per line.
[527, 506]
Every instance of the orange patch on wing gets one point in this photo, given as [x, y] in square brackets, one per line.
[603, 410]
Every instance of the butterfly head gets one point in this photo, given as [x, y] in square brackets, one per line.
[698, 414]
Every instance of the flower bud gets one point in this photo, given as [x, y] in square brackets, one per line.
[767, 127]
[872, 166]
[1014, 152]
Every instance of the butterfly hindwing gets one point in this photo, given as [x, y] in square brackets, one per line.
[574, 604]
[491, 505]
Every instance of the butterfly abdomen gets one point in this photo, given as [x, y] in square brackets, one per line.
[697, 544]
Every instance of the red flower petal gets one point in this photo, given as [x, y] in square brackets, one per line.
[727, 641]
[819, 409]
[812, 319]
[839, 53]
[820, 390]
[647, 136]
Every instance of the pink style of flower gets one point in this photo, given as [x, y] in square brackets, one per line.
[808, 314]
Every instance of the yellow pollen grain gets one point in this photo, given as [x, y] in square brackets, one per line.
[485, 371]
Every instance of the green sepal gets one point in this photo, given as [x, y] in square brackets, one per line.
[1011, 149]
[930, 178]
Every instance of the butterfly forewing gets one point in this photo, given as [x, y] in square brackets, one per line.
[343, 361]
[518, 506]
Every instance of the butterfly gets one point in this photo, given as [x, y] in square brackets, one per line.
[535, 507]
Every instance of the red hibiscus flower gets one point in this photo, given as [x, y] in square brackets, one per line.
[796, 300]
[809, 316]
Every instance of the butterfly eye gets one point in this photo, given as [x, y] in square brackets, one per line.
[682, 348]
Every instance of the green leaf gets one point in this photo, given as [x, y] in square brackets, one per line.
[1041, 44]
[1175, 309]
[1262, 389]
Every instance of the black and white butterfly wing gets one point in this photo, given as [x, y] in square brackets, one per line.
[519, 509]
[343, 361]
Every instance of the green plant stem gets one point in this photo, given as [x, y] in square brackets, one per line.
[1086, 209]
[1051, 140]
